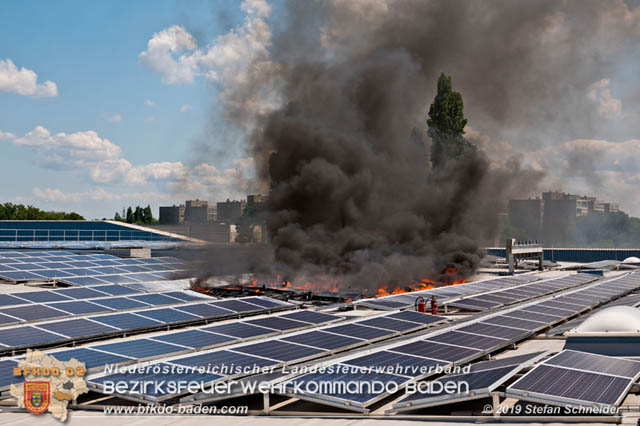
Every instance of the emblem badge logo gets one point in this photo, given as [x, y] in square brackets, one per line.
[36, 397]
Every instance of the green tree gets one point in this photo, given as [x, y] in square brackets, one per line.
[129, 217]
[9, 211]
[147, 215]
[446, 124]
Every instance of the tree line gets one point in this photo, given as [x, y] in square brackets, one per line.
[139, 216]
[10, 211]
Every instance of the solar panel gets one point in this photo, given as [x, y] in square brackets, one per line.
[204, 310]
[391, 324]
[80, 293]
[120, 303]
[27, 266]
[225, 362]
[118, 279]
[167, 315]
[359, 331]
[311, 317]
[580, 386]
[33, 312]
[140, 348]
[437, 351]
[8, 300]
[5, 319]
[43, 296]
[240, 330]
[320, 339]
[6, 373]
[494, 331]
[514, 322]
[280, 351]
[82, 281]
[194, 338]
[78, 328]
[187, 297]
[80, 264]
[27, 336]
[117, 290]
[91, 358]
[593, 362]
[126, 321]
[277, 323]
[79, 307]
[20, 276]
[531, 316]
[156, 299]
[106, 270]
[416, 317]
[468, 340]
[393, 362]
[236, 305]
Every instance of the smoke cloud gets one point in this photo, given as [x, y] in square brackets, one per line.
[353, 200]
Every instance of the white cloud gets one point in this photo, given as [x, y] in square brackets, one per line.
[24, 81]
[96, 194]
[600, 93]
[103, 162]
[159, 56]
[185, 108]
[149, 103]
[6, 136]
[116, 118]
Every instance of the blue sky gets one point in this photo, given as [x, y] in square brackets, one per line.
[90, 51]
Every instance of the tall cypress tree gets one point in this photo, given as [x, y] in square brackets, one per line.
[446, 124]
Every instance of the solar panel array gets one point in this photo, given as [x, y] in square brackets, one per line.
[118, 323]
[288, 349]
[84, 269]
[470, 341]
[405, 300]
[578, 379]
[510, 296]
[481, 379]
[97, 355]
[47, 304]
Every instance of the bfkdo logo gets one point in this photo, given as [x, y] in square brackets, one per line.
[37, 396]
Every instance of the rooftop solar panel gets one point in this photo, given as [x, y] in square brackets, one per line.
[437, 351]
[33, 312]
[27, 336]
[156, 299]
[20, 276]
[82, 281]
[27, 266]
[80, 293]
[118, 279]
[204, 310]
[531, 316]
[593, 362]
[393, 362]
[280, 351]
[494, 331]
[79, 307]
[514, 322]
[474, 341]
[9, 300]
[391, 324]
[195, 338]
[78, 328]
[5, 319]
[277, 323]
[80, 264]
[53, 273]
[312, 317]
[320, 339]
[119, 303]
[126, 321]
[6, 373]
[43, 296]
[167, 315]
[187, 296]
[575, 385]
[416, 317]
[106, 270]
[225, 362]
[91, 358]
[240, 330]
[117, 290]
[140, 348]
[236, 305]
[359, 331]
